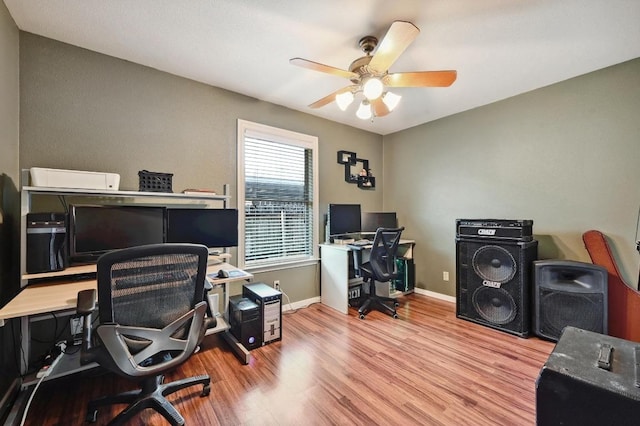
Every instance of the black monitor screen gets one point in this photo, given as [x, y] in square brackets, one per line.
[344, 219]
[95, 230]
[372, 221]
[211, 227]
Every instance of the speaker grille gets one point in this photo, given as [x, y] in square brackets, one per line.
[493, 283]
[495, 305]
[494, 263]
[578, 310]
[569, 293]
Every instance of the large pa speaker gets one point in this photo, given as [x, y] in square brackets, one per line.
[567, 292]
[589, 379]
[493, 283]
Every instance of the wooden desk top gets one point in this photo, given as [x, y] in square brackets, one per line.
[63, 294]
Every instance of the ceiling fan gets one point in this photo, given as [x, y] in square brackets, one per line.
[370, 73]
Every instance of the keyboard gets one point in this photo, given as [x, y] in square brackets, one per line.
[363, 242]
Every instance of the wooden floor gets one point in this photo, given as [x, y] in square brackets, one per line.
[426, 368]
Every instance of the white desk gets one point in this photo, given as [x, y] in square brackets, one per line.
[37, 300]
[334, 272]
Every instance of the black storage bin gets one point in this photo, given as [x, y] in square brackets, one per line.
[154, 181]
[355, 294]
[589, 379]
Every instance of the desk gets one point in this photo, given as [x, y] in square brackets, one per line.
[60, 296]
[334, 272]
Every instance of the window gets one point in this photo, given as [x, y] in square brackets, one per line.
[277, 196]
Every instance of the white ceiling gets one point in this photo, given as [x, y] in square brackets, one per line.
[500, 48]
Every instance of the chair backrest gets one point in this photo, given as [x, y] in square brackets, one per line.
[623, 300]
[151, 302]
[152, 285]
[384, 252]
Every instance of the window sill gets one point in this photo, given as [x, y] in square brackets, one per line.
[256, 269]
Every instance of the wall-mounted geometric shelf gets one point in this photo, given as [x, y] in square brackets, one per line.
[362, 176]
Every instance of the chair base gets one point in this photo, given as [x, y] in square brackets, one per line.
[379, 303]
[152, 395]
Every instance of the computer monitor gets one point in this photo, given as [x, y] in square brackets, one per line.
[97, 229]
[214, 228]
[371, 221]
[343, 219]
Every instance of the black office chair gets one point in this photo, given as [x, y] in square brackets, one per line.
[152, 318]
[381, 267]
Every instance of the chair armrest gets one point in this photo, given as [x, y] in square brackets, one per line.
[85, 307]
[86, 303]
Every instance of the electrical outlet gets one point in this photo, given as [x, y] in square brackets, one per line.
[276, 284]
[76, 325]
[445, 275]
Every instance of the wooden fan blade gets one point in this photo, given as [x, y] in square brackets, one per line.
[379, 108]
[397, 39]
[330, 98]
[421, 79]
[304, 63]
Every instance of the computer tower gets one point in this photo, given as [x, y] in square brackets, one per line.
[405, 281]
[244, 320]
[46, 242]
[269, 301]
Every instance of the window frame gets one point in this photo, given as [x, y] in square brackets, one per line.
[277, 135]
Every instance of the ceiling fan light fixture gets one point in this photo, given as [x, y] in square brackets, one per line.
[372, 88]
[391, 100]
[344, 100]
[364, 110]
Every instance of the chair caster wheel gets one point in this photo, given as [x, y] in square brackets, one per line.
[395, 316]
[361, 316]
[92, 416]
[206, 390]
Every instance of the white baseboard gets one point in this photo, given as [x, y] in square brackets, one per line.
[299, 304]
[435, 295]
[304, 303]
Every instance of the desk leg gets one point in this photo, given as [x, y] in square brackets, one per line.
[241, 352]
[25, 344]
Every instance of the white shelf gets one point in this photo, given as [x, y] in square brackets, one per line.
[69, 364]
[221, 325]
[121, 194]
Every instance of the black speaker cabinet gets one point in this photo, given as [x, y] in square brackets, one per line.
[46, 242]
[589, 379]
[493, 283]
[566, 293]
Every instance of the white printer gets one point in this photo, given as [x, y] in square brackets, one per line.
[77, 179]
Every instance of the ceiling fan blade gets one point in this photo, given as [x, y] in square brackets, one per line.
[397, 39]
[304, 63]
[331, 97]
[379, 108]
[421, 79]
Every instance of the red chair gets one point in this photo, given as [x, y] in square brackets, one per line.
[624, 301]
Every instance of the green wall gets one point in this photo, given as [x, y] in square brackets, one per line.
[566, 156]
[9, 204]
[87, 111]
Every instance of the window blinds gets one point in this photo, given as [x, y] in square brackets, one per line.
[278, 184]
